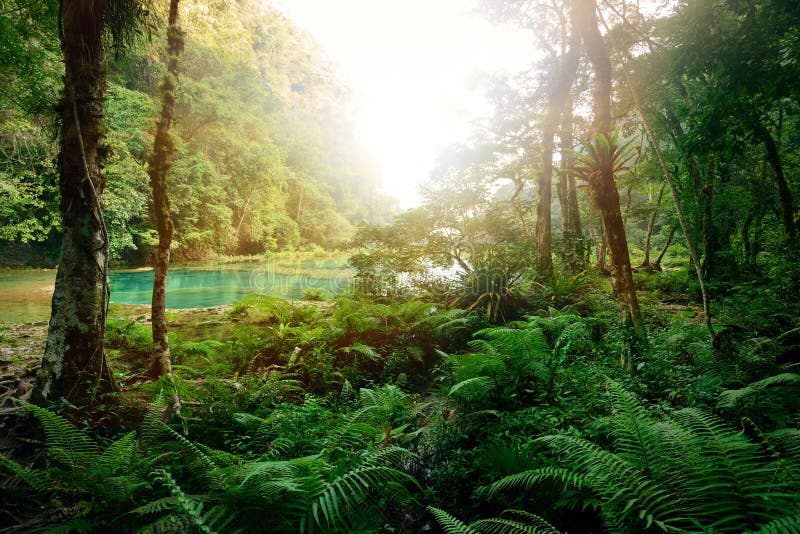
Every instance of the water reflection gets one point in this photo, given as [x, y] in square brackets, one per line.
[25, 295]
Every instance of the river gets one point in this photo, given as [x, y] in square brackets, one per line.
[25, 294]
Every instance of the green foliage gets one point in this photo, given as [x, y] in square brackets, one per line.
[771, 400]
[602, 154]
[686, 471]
[34, 479]
[266, 157]
[128, 334]
[514, 522]
[516, 364]
[314, 294]
[334, 489]
[189, 512]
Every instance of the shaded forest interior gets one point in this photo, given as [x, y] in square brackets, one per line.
[590, 322]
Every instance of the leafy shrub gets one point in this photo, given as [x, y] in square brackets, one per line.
[315, 293]
[128, 334]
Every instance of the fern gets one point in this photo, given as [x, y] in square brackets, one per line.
[687, 472]
[210, 521]
[473, 389]
[774, 396]
[387, 404]
[364, 350]
[784, 525]
[511, 522]
[196, 451]
[34, 478]
[450, 524]
[511, 359]
[65, 443]
[344, 495]
[118, 458]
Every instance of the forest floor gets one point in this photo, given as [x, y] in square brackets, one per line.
[22, 345]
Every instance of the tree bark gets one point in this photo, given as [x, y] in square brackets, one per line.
[159, 165]
[603, 183]
[707, 220]
[645, 266]
[568, 197]
[74, 365]
[657, 264]
[557, 97]
[784, 193]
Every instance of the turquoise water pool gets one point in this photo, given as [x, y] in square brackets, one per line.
[25, 295]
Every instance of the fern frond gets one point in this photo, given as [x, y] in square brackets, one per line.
[525, 480]
[499, 525]
[35, 479]
[65, 443]
[343, 496]
[388, 401]
[155, 507]
[214, 519]
[732, 398]
[531, 519]
[364, 350]
[192, 447]
[389, 456]
[118, 458]
[450, 524]
[472, 389]
[153, 423]
[784, 525]
[353, 432]
[632, 430]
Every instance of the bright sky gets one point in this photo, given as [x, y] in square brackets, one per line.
[412, 66]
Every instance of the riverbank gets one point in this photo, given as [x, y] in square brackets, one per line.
[25, 294]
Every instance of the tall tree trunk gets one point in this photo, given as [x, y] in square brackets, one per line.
[604, 185]
[557, 97]
[74, 365]
[158, 168]
[600, 246]
[568, 197]
[707, 220]
[645, 266]
[784, 193]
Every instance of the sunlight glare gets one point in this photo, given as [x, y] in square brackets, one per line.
[414, 68]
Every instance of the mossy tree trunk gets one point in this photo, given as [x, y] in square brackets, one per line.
[158, 167]
[74, 365]
[603, 185]
[784, 192]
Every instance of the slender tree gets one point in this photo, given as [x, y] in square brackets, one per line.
[158, 168]
[604, 187]
[646, 265]
[563, 74]
[568, 196]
